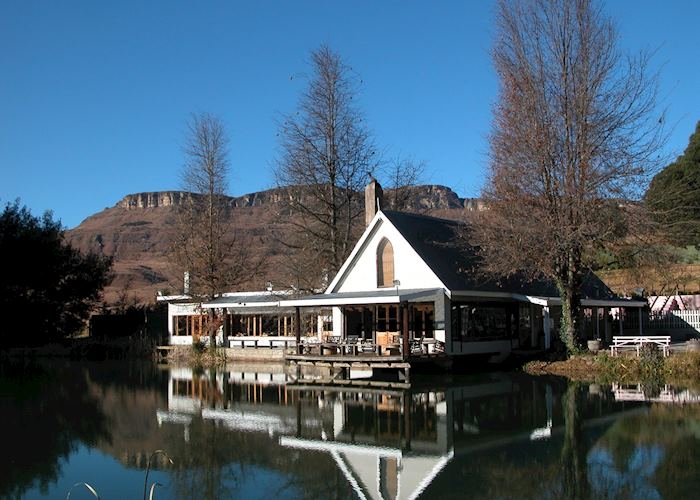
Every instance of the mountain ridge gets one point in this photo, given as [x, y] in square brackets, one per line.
[138, 230]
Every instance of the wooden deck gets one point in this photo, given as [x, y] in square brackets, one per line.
[341, 365]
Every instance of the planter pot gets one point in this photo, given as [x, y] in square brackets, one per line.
[594, 345]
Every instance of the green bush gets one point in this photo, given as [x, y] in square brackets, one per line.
[651, 362]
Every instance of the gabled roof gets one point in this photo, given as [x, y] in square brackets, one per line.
[442, 245]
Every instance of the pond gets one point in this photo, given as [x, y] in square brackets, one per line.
[250, 432]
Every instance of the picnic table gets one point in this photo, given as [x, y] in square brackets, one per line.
[637, 341]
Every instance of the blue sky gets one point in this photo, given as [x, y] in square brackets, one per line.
[94, 96]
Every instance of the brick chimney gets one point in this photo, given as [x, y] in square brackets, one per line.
[373, 200]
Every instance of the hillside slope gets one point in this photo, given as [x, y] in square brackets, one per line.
[137, 232]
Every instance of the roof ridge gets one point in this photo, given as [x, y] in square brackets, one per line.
[422, 216]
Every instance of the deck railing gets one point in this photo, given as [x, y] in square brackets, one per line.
[262, 342]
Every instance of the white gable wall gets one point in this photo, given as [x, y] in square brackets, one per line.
[409, 268]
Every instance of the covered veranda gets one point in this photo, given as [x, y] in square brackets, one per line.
[389, 324]
[257, 320]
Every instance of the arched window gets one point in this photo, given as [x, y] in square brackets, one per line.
[385, 263]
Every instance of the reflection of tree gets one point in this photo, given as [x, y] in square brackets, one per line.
[216, 462]
[45, 416]
[573, 453]
[129, 396]
[673, 433]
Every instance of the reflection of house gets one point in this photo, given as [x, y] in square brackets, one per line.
[391, 446]
[412, 280]
[248, 398]
[386, 445]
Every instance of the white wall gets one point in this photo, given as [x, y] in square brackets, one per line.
[409, 269]
[338, 323]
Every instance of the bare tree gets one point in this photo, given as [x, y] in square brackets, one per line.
[326, 156]
[205, 245]
[574, 137]
[399, 176]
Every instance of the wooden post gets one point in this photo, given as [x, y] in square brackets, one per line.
[596, 313]
[640, 321]
[297, 328]
[405, 348]
[547, 328]
[533, 328]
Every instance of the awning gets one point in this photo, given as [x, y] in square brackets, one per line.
[386, 296]
[243, 301]
[612, 302]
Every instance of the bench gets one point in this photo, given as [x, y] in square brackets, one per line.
[637, 341]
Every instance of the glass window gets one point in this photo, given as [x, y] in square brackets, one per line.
[385, 263]
[479, 321]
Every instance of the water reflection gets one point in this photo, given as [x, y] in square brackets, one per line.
[507, 435]
[250, 431]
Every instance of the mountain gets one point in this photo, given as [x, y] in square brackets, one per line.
[137, 232]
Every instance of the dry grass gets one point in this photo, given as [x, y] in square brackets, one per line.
[684, 277]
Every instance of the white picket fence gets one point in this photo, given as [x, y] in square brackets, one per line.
[669, 320]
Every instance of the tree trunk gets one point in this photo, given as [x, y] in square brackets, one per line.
[570, 326]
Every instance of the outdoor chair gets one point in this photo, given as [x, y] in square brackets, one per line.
[416, 347]
[367, 346]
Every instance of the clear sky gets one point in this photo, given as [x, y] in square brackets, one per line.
[94, 96]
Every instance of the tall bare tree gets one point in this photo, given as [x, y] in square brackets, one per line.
[574, 137]
[326, 156]
[205, 245]
[399, 176]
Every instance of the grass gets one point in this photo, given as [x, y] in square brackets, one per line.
[650, 366]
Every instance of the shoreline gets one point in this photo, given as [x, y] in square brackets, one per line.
[213, 358]
[681, 367]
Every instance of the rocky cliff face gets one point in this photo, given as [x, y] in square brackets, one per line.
[418, 198]
[153, 200]
[176, 198]
[137, 233]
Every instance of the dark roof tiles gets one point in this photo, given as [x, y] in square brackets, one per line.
[442, 245]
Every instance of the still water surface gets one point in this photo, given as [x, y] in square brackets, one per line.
[246, 432]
